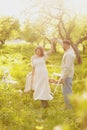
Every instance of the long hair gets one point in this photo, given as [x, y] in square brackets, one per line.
[41, 50]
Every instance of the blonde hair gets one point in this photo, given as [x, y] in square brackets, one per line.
[41, 49]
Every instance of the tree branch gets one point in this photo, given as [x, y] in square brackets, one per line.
[77, 52]
[81, 40]
[70, 29]
[60, 33]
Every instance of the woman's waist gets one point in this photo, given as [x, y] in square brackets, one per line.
[41, 69]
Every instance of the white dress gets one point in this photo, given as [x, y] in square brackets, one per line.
[40, 84]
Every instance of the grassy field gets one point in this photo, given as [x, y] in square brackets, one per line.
[20, 112]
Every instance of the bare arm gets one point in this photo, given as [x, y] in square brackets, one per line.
[48, 53]
[58, 40]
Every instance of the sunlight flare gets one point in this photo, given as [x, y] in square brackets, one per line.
[15, 8]
[76, 6]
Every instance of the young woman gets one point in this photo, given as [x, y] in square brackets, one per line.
[38, 80]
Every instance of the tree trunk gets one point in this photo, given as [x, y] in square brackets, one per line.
[53, 44]
[53, 47]
[77, 52]
[2, 42]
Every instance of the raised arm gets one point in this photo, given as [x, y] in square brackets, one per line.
[52, 41]
[58, 40]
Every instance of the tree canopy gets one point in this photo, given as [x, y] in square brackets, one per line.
[7, 25]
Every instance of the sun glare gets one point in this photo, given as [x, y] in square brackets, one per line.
[77, 6]
[15, 7]
[49, 31]
[34, 14]
[10, 7]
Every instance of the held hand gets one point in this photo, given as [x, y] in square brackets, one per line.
[61, 81]
[52, 81]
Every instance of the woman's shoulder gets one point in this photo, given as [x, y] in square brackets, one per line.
[33, 57]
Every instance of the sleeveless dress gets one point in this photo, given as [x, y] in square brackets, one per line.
[40, 83]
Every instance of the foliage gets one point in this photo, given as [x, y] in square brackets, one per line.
[80, 29]
[18, 111]
[31, 33]
[7, 25]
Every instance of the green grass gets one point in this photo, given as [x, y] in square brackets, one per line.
[20, 111]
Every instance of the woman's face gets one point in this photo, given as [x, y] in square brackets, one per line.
[38, 52]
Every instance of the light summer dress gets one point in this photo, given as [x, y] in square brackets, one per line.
[40, 84]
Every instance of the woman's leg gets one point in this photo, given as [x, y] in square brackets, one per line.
[44, 103]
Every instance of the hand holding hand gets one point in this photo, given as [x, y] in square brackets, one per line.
[61, 81]
[52, 81]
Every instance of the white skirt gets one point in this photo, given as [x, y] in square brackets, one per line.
[28, 86]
